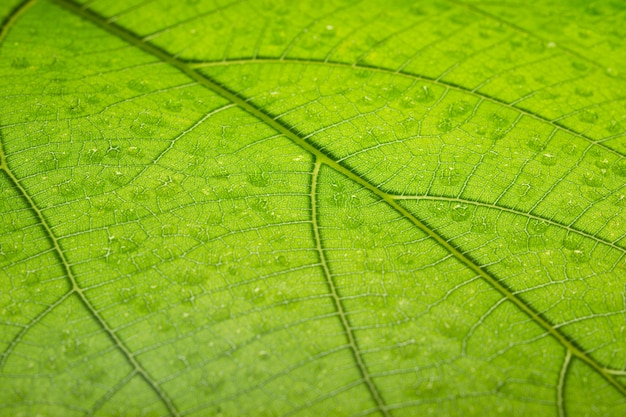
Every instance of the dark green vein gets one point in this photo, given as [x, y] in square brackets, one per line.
[436, 81]
[110, 393]
[341, 311]
[212, 85]
[15, 14]
[18, 337]
[520, 29]
[76, 289]
[477, 203]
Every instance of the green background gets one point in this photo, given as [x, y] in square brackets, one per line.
[302, 208]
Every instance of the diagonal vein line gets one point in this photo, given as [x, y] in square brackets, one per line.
[13, 17]
[476, 203]
[400, 73]
[110, 393]
[560, 389]
[345, 322]
[521, 30]
[76, 289]
[326, 159]
[18, 337]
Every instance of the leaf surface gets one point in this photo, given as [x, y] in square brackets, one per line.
[312, 208]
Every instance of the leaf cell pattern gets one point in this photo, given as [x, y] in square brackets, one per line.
[310, 208]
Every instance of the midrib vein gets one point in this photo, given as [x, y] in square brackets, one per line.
[433, 80]
[76, 289]
[323, 158]
[341, 311]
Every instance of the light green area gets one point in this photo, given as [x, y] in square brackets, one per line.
[338, 208]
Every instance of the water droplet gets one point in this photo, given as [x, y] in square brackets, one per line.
[282, 260]
[450, 176]
[30, 278]
[116, 177]
[614, 127]
[367, 100]
[56, 87]
[391, 92]
[259, 179]
[424, 94]
[76, 106]
[536, 143]
[261, 206]
[592, 179]
[460, 212]
[195, 278]
[353, 221]
[497, 133]
[73, 348]
[12, 309]
[570, 149]
[407, 102]
[133, 150]
[12, 249]
[459, 108]
[68, 188]
[375, 264]
[278, 37]
[362, 73]
[169, 230]
[602, 163]
[497, 121]
[109, 89]
[579, 66]
[548, 159]
[20, 63]
[583, 92]
[173, 105]
[126, 215]
[438, 209]
[620, 168]
[572, 241]
[444, 125]
[139, 85]
[537, 227]
[481, 225]
[579, 256]
[127, 294]
[145, 125]
[92, 99]
[407, 259]
[95, 373]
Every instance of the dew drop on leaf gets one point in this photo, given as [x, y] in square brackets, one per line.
[592, 179]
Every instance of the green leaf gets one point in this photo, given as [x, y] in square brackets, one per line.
[276, 208]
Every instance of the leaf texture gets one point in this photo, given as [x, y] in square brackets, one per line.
[308, 208]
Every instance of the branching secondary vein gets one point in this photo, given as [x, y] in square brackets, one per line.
[445, 84]
[345, 323]
[208, 83]
[76, 289]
